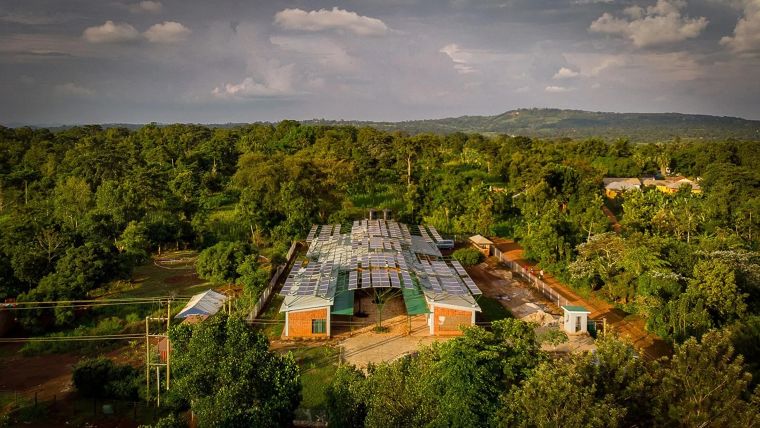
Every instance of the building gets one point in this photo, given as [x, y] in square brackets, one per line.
[617, 186]
[576, 319]
[379, 258]
[483, 244]
[204, 305]
[672, 185]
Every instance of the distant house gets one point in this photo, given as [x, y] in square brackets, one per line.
[672, 185]
[616, 186]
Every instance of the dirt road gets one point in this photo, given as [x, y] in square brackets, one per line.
[625, 325]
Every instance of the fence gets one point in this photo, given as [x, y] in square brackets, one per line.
[266, 293]
[536, 282]
[27, 407]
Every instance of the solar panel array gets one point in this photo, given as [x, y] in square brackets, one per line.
[376, 254]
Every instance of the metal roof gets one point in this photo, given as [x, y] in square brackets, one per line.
[206, 303]
[576, 309]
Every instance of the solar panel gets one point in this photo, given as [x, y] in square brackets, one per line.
[395, 281]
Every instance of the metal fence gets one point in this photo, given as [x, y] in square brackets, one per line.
[267, 292]
[532, 279]
[26, 407]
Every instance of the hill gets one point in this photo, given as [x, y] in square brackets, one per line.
[580, 124]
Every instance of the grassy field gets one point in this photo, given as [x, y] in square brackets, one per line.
[273, 331]
[171, 274]
[493, 310]
[318, 365]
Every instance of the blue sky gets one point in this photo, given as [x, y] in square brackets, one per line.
[96, 61]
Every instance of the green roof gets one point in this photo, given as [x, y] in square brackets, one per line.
[415, 302]
[343, 303]
[575, 309]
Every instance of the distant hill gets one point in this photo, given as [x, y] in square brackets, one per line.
[552, 123]
[580, 124]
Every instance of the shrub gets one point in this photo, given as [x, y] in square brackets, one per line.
[468, 256]
[102, 378]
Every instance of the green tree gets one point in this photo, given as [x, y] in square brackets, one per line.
[225, 371]
[219, 263]
[705, 385]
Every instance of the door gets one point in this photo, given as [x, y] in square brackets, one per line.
[577, 324]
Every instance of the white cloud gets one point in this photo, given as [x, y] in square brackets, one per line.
[746, 38]
[565, 73]
[72, 89]
[146, 6]
[327, 53]
[335, 19]
[654, 25]
[462, 59]
[111, 32]
[167, 32]
[557, 89]
[274, 81]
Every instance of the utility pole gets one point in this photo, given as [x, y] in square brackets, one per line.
[158, 365]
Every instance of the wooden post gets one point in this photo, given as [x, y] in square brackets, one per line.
[168, 343]
[147, 362]
[158, 387]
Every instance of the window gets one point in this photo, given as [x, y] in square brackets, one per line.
[318, 326]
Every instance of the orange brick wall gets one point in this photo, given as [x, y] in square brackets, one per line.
[299, 323]
[454, 318]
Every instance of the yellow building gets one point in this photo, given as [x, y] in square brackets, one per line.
[617, 186]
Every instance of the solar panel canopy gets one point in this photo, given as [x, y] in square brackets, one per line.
[375, 255]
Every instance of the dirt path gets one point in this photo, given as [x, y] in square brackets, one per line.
[626, 325]
[613, 220]
[46, 374]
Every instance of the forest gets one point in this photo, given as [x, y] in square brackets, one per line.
[82, 207]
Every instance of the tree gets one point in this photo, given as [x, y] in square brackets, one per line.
[468, 256]
[72, 200]
[704, 385]
[225, 372]
[220, 262]
[715, 282]
[347, 398]
[134, 241]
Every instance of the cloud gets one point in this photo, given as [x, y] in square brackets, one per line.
[565, 73]
[146, 6]
[335, 19]
[746, 38]
[655, 25]
[557, 89]
[167, 32]
[111, 32]
[72, 89]
[327, 53]
[274, 81]
[462, 59]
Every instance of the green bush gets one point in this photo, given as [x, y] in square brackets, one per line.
[468, 256]
[102, 378]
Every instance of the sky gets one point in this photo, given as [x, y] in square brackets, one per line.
[132, 61]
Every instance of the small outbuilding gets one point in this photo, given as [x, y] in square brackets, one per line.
[576, 319]
[482, 243]
[204, 304]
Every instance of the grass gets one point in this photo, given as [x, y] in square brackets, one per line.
[493, 310]
[272, 312]
[318, 365]
[175, 279]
